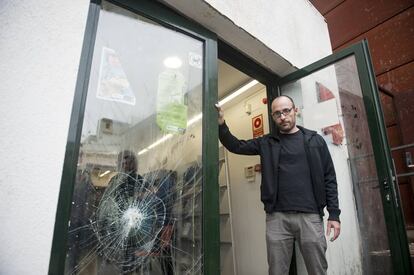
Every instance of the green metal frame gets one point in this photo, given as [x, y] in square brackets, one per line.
[172, 20]
[245, 64]
[58, 251]
[392, 211]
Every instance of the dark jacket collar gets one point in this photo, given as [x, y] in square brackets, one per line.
[306, 132]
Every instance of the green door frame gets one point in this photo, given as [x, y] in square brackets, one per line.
[394, 219]
[168, 18]
[245, 64]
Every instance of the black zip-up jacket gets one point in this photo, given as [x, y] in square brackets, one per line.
[268, 147]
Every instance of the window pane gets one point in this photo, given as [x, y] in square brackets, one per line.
[137, 200]
[330, 101]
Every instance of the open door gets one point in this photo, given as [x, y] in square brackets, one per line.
[337, 96]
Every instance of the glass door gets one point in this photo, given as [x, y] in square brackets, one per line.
[337, 97]
[134, 196]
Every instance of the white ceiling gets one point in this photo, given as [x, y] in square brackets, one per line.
[229, 79]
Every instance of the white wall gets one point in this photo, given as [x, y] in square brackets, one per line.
[40, 46]
[278, 34]
[294, 29]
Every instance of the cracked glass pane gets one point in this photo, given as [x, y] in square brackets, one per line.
[136, 206]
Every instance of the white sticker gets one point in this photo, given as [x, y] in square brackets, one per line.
[195, 60]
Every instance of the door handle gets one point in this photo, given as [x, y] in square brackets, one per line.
[394, 182]
[385, 184]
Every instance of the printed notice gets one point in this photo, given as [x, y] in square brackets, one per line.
[113, 84]
[257, 126]
[171, 108]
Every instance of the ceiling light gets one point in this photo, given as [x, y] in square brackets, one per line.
[173, 62]
[238, 92]
[104, 173]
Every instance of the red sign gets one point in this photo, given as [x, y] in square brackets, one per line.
[257, 126]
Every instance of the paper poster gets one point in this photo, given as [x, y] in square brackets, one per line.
[113, 84]
[171, 108]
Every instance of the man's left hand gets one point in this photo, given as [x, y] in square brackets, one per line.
[336, 227]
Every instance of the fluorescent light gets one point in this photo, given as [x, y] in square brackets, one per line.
[104, 173]
[142, 151]
[226, 99]
[194, 119]
[238, 92]
[173, 62]
[161, 140]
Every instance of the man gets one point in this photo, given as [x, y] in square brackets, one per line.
[298, 181]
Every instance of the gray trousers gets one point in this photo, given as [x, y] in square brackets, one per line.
[283, 229]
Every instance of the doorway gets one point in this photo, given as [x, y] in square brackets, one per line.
[242, 219]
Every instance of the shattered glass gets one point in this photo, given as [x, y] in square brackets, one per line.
[136, 206]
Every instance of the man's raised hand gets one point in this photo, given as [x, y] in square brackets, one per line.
[220, 114]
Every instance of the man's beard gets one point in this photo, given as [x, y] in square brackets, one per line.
[287, 128]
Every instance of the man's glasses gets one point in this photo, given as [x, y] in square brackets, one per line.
[284, 112]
